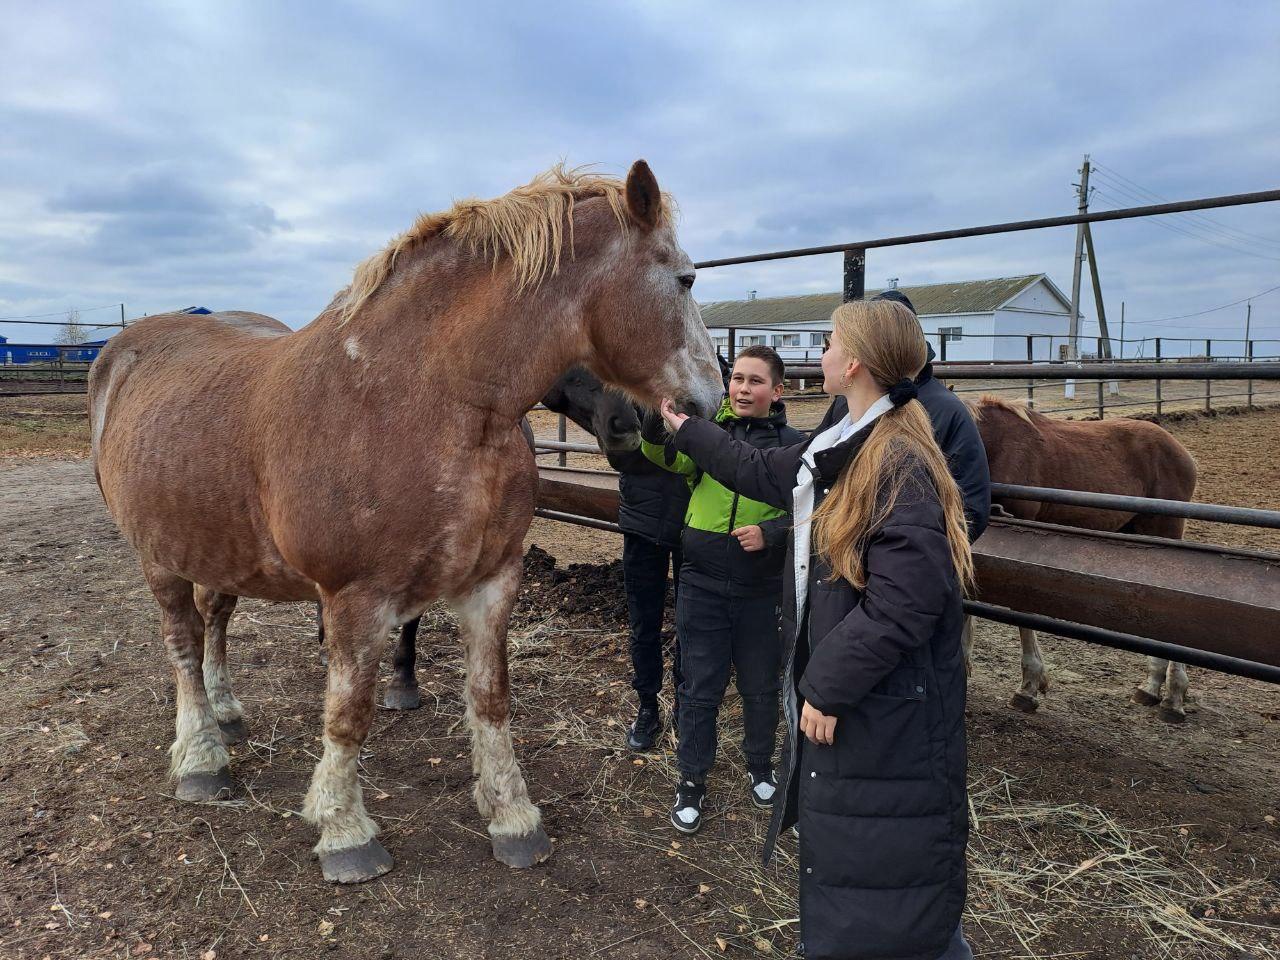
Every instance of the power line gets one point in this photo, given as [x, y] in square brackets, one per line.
[1112, 172]
[1204, 232]
[1184, 231]
[63, 313]
[1200, 313]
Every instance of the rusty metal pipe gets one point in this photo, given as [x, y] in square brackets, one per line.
[1126, 641]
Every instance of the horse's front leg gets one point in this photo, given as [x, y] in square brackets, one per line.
[349, 852]
[515, 824]
[402, 692]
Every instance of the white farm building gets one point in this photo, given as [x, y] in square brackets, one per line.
[971, 320]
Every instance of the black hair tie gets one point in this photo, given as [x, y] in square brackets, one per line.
[903, 392]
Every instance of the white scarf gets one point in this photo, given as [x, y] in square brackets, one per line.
[802, 495]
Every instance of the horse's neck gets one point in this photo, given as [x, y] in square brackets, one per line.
[478, 353]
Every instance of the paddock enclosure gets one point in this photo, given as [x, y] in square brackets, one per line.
[1100, 831]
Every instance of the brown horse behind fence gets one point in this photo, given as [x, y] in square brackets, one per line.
[1128, 457]
[240, 459]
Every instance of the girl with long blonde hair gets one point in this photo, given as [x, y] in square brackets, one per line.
[874, 765]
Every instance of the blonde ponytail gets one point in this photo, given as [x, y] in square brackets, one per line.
[886, 337]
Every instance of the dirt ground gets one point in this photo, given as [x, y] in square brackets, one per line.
[1100, 832]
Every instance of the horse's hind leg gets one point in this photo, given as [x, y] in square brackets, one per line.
[1035, 679]
[348, 850]
[1173, 706]
[515, 824]
[402, 691]
[1148, 694]
[216, 609]
[198, 758]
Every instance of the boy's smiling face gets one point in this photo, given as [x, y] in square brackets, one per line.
[751, 388]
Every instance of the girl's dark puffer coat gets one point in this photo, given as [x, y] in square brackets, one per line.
[883, 818]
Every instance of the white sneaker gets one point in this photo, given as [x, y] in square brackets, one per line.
[762, 791]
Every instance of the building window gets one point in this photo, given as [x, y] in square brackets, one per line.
[721, 343]
[955, 334]
[791, 339]
[775, 340]
[815, 339]
[755, 341]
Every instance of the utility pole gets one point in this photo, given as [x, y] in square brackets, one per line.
[1073, 332]
[1248, 351]
[1121, 329]
[122, 323]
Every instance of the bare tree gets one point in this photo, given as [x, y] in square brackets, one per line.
[73, 331]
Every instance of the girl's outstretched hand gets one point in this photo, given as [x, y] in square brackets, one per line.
[674, 419]
[817, 726]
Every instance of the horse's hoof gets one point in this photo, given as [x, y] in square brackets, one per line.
[1169, 715]
[234, 731]
[401, 698]
[522, 850]
[356, 864]
[203, 787]
[1020, 701]
[1141, 696]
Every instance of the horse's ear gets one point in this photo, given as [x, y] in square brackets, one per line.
[644, 199]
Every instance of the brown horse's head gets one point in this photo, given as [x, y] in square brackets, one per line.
[642, 297]
[495, 275]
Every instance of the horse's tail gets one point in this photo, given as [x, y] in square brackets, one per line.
[106, 376]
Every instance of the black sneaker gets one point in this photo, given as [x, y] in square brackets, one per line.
[763, 788]
[643, 732]
[686, 812]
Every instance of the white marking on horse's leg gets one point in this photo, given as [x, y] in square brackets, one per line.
[334, 801]
[1035, 679]
[500, 791]
[197, 746]
[217, 678]
[1156, 669]
[966, 644]
[1174, 701]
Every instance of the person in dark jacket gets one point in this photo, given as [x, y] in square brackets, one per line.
[651, 508]
[953, 428]
[734, 549]
[874, 765]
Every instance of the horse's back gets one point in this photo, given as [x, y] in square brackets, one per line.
[172, 402]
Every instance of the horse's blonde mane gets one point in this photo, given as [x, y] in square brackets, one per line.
[525, 226]
[1019, 408]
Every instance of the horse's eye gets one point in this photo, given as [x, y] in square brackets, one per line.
[686, 280]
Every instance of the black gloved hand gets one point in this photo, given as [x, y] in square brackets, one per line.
[653, 428]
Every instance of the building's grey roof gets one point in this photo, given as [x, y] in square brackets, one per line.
[934, 299]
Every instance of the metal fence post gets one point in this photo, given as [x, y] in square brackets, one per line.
[562, 434]
[62, 371]
[1208, 383]
[1248, 355]
[1101, 407]
[1031, 383]
[942, 346]
[855, 275]
[731, 349]
[1159, 404]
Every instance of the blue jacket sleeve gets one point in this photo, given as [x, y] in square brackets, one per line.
[765, 475]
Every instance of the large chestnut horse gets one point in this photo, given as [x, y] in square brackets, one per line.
[247, 461]
[1129, 457]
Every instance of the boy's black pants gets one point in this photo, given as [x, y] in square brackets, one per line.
[717, 632]
[644, 570]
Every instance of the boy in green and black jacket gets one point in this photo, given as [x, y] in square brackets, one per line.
[730, 587]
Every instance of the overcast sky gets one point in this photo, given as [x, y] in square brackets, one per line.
[248, 155]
